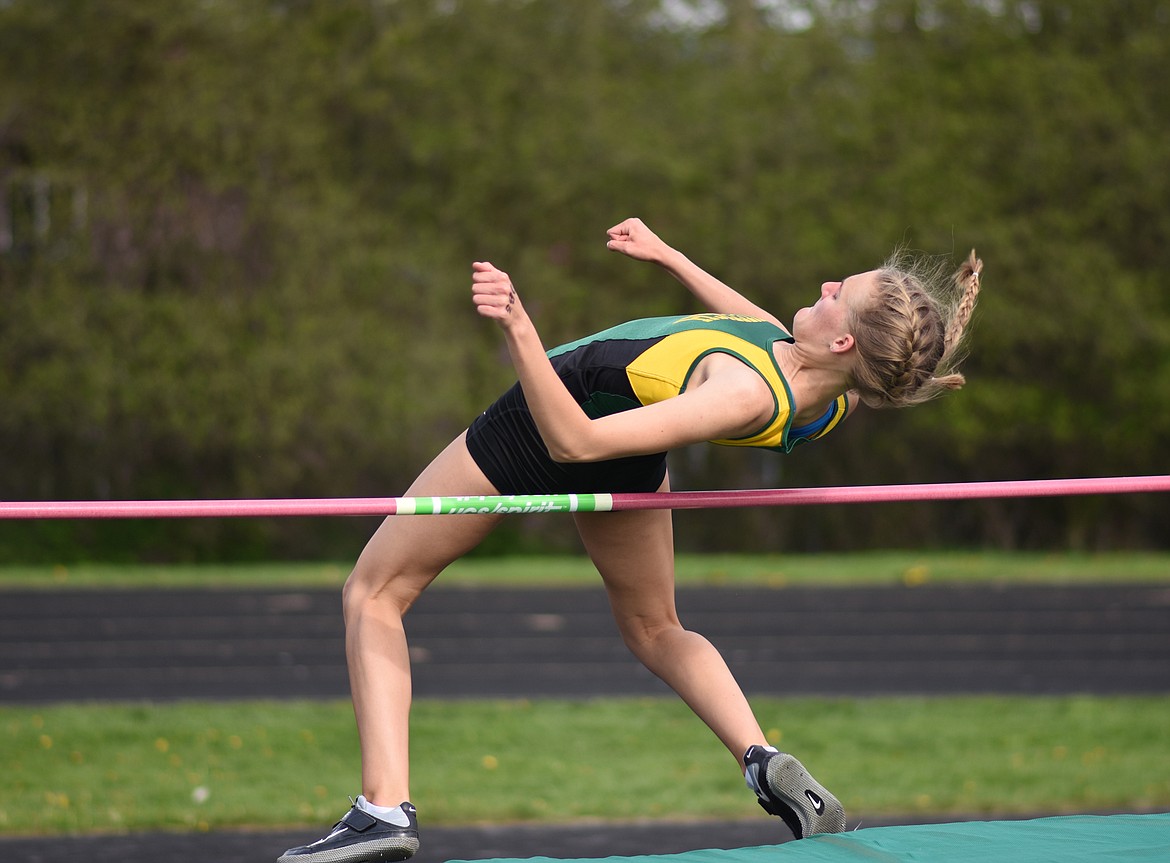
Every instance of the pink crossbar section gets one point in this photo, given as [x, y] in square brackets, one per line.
[895, 493]
[665, 500]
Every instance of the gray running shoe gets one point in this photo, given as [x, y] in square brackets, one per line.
[786, 789]
[359, 837]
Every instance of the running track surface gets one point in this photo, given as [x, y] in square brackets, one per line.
[104, 645]
[159, 645]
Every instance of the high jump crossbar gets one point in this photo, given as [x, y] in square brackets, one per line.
[511, 504]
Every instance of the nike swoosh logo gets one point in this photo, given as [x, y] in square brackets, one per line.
[753, 780]
[816, 801]
[336, 832]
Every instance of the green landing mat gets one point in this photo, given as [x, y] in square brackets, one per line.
[1063, 839]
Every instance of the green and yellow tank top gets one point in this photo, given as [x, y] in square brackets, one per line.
[647, 361]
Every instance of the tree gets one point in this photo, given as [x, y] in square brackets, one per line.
[234, 238]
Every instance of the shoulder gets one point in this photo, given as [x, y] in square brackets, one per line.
[728, 377]
[734, 323]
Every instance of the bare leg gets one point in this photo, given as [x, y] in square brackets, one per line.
[400, 560]
[634, 552]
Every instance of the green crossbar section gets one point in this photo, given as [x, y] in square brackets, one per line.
[504, 504]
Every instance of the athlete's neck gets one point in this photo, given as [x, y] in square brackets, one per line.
[815, 380]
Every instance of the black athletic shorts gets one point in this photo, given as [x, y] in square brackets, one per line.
[506, 445]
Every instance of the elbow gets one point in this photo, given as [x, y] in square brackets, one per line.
[583, 453]
[577, 448]
[578, 443]
[565, 454]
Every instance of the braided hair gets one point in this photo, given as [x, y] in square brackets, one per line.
[908, 337]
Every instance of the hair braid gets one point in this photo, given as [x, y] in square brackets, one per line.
[907, 338]
[967, 281]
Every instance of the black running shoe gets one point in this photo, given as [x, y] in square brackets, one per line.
[786, 789]
[359, 837]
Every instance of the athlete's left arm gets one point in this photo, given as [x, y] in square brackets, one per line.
[635, 240]
[730, 403]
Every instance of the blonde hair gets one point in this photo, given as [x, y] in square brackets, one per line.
[908, 336]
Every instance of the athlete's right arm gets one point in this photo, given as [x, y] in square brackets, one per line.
[734, 407]
[635, 240]
[558, 417]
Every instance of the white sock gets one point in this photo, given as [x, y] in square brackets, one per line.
[391, 815]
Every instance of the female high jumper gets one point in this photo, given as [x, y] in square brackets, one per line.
[599, 415]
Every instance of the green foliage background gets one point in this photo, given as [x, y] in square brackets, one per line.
[235, 239]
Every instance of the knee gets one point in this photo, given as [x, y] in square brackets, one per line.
[644, 635]
[354, 593]
[367, 588]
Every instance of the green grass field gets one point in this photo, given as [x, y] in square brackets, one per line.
[201, 766]
[873, 568]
